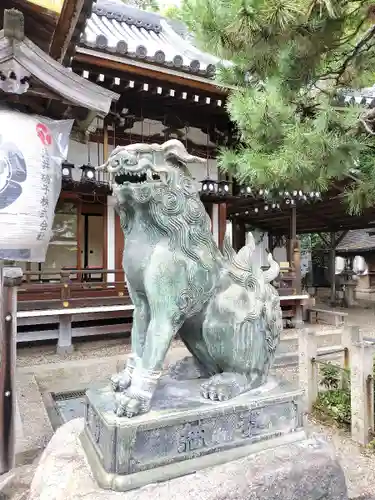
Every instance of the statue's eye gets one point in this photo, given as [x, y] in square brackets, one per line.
[115, 163]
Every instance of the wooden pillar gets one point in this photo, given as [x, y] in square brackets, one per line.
[332, 265]
[105, 236]
[271, 243]
[239, 234]
[297, 266]
[294, 252]
[222, 221]
[119, 249]
[10, 279]
[292, 233]
[105, 142]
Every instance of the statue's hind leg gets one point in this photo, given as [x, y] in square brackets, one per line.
[228, 385]
[241, 352]
[200, 364]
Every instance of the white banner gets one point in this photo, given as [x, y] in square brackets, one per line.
[31, 152]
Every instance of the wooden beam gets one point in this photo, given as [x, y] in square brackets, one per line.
[148, 73]
[64, 30]
[124, 139]
[297, 266]
[239, 235]
[324, 239]
[332, 267]
[105, 142]
[222, 209]
[340, 238]
[292, 233]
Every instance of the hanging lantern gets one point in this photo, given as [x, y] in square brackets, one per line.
[209, 186]
[88, 173]
[223, 188]
[67, 171]
[245, 190]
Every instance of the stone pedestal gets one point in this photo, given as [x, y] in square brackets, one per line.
[185, 432]
[349, 293]
[301, 470]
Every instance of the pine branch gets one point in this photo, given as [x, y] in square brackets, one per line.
[355, 52]
[300, 54]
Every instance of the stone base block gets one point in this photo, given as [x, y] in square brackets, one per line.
[301, 470]
[185, 432]
[62, 350]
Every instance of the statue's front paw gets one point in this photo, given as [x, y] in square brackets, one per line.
[130, 405]
[224, 386]
[121, 381]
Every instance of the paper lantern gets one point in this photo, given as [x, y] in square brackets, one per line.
[360, 265]
[31, 152]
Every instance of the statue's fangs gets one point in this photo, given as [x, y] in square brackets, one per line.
[221, 304]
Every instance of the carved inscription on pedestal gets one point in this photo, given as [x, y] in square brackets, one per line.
[270, 419]
[158, 446]
[94, 424]
[191, 438]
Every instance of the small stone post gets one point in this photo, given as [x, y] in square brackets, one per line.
[349, 333]
[362, 390]
[308, 371]
[10, 279]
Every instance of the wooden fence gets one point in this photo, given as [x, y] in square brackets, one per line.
[72, 288]
[358, 352]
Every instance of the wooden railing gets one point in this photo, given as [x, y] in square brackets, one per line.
[85, 287]
[72, 288]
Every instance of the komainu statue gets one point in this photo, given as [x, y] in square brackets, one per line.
[221, 305]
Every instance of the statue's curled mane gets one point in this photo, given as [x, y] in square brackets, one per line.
[177, 210]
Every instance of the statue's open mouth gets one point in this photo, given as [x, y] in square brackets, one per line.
[135, 178]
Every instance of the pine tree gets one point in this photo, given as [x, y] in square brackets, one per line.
[292, 62]
[172, 12]
[151, 5]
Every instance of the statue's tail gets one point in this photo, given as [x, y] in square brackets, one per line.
[242, 271]
[265, 300]
[273, 271]
[243, 261]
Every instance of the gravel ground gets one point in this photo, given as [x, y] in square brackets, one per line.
[41, 354]
[358, 464]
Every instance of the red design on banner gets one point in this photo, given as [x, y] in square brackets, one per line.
[44, 134]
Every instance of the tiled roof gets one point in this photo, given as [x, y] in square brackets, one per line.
[356, 241]
[131, 33]
[365, 96]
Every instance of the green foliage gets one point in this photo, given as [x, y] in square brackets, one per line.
[151, 5]
[172, 12]
[334, 403]
[291, 61]
[312, 242]
[331, 376]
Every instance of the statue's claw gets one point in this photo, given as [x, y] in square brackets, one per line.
[130, 406]
[224, 386]
[121, 381]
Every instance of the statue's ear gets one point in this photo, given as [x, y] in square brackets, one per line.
[177, 163]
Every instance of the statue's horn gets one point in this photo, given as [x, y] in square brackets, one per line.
[176, 148]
